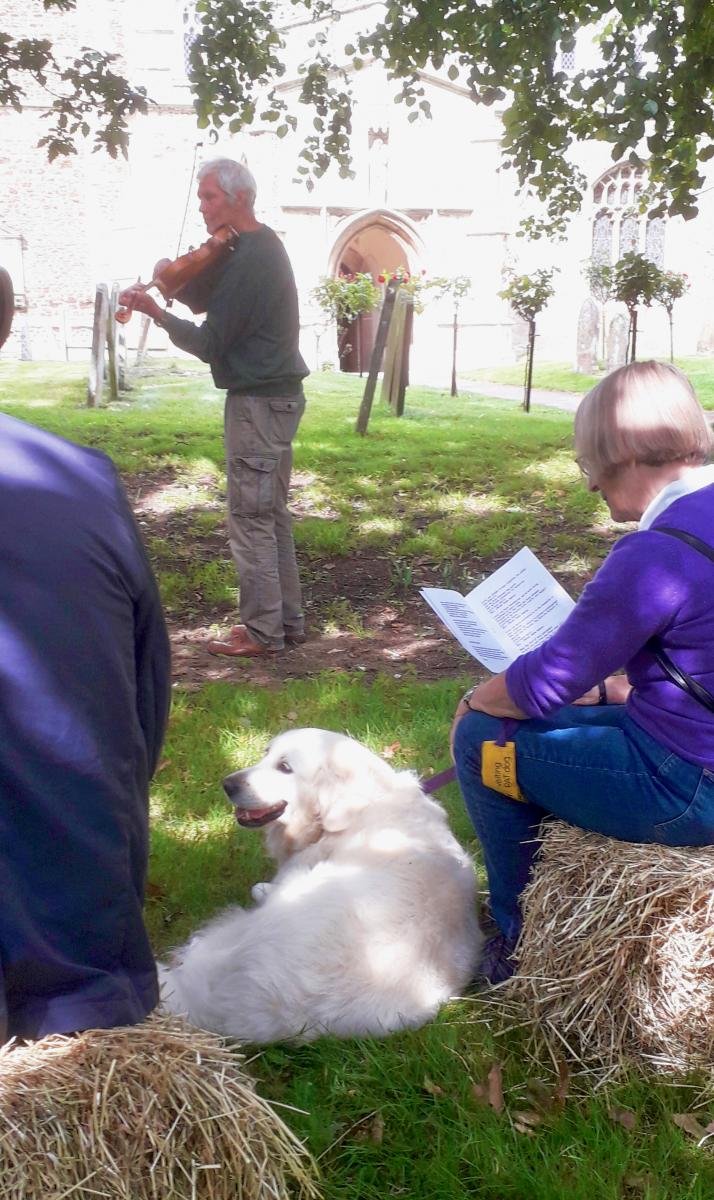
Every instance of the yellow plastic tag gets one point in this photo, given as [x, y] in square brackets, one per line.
[498, 769]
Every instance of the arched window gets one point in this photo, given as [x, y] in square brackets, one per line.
[191, 23]
[616, 221]
[629, 239]
[602, 239]
[654, 241]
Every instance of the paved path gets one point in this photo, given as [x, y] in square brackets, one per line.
[504, 391]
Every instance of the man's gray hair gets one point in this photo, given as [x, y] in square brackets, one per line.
[232, 177]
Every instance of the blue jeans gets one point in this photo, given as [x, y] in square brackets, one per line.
[591, 766]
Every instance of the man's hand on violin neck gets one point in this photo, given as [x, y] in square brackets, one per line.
[139, 300]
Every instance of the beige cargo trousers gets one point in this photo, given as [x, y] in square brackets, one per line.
[259, 431]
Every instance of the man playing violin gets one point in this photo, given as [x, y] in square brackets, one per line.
[250, 341]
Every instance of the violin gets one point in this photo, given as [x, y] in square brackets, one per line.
[187, 278]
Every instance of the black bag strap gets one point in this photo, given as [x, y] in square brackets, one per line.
[673, 672]
[695, 542]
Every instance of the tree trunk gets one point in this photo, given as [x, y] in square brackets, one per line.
[604, 331]
[633, 330]
[671, 335]
[529, 366]
[454, 391]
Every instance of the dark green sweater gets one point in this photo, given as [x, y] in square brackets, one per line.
[250, 335]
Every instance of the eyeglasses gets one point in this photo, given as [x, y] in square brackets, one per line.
[590, 475]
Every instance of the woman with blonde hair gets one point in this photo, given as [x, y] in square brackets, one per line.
[627, 755]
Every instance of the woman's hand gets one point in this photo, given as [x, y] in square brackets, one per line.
[617, 689]
[490, 697]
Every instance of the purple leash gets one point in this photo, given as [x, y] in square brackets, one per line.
[434, 782]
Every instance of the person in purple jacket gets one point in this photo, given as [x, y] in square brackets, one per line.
[627, 755]
[84, 693]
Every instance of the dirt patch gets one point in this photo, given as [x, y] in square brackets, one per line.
[393, 637]
[364, 612]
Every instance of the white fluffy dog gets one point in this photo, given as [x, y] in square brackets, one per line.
[370, 922]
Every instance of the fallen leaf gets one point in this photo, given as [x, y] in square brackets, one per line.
[624, 1117]
[165, 762]
[495, 1088]
[480, 1092]
[370, 1129]
[644, 1182]
[531, 1119]
[390, 751]
[689, 1123]
[523, 1129]
[292, 715]
[155, 891]
[432, 1088]
[540, 1094]
[376, 1130]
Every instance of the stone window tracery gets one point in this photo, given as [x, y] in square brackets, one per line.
[617, 225]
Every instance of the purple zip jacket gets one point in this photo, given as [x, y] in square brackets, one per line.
[650, 583]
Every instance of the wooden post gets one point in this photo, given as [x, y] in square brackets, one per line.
[99, 342]
[121, 356]
[393, 352]
[143, 336]
[112, 326]
[404, 360]
[119, 339]
[380, 340]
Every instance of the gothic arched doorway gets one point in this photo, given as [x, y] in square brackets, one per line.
[373, 243]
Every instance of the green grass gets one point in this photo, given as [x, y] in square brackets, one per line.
[399, 1117]
[453, 477]
[560, 377]
[451, 482]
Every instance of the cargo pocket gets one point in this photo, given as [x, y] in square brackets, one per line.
[285, 414]
[254, 490]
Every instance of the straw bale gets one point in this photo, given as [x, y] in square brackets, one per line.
[148, 1112]
[616, 958]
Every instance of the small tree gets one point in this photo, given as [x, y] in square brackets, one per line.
[344, 299]
[636, 281]
[457, 288]
[671, 288]
[600, 282]
[528, 296]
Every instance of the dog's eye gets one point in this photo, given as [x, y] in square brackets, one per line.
[284, 766]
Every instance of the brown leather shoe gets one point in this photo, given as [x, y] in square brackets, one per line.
[291, 638]
[239, 644]
[295, 639]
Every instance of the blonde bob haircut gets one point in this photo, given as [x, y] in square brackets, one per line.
[647, 413]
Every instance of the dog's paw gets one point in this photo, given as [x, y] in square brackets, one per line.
[259, 891]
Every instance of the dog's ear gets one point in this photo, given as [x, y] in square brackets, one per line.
[349, 782]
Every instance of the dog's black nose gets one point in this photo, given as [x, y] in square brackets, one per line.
[232, 784]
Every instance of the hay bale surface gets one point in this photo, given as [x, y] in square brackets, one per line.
[148, 1112]
[616, 958]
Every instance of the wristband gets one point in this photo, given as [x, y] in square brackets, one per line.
[467, 696]
[602, 692]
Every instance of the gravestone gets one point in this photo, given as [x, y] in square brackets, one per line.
[588, 326]
[617, 342]
[705, 341]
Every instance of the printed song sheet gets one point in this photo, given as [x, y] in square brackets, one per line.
[512, 611]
